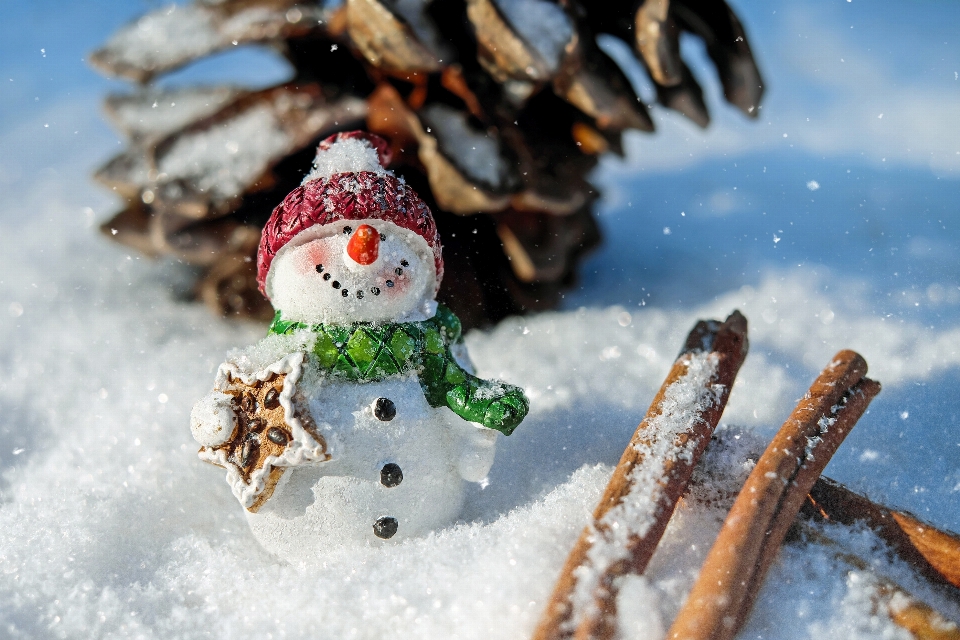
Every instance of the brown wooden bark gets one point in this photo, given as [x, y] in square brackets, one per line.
[730, 578]
[935, 553]
[728, 341]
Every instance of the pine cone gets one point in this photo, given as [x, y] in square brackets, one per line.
[496, 111]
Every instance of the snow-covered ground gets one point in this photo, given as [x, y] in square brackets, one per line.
[831, 222]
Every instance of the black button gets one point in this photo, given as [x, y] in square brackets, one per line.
[384, 409]
[385, 527]
[391, 475]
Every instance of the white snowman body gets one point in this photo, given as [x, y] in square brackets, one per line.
[395, 478]
[319, 460]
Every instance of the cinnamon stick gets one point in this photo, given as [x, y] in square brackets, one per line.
[922, 621]
[723, 594]
[934, 553]
[651, 476]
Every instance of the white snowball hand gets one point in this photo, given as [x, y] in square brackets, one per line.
[213, 420]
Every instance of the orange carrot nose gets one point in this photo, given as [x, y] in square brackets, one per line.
[364, 245]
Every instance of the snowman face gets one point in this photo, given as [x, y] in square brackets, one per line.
[354, 271]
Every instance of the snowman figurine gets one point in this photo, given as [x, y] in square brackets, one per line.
[358, 418]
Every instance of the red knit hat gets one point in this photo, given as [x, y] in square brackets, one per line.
[349, 195]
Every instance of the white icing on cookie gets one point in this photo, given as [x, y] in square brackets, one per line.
[303, 448]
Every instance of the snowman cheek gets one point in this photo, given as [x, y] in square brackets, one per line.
[313, 258]
[396, 286]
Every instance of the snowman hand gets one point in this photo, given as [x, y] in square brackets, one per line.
[507, 412]
[213, 420]
[478, 448]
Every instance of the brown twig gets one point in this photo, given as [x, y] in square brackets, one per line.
[919, 619]
[935, 553]
[651, 476]
[772, 496]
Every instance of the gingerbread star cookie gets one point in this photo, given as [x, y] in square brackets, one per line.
[253, 425]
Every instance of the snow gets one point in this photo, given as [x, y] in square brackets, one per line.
[172, 35]
[213, 160]
[544, 25]
[155, 113]
[345, 156]
[474, 152]
[145, 43]
[683, 404]
[111, 528]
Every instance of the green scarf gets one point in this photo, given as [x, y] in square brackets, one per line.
[366, 352]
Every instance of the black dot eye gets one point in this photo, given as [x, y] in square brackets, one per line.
[336, 284]
[319, 268]
[391, 475]
[326, 276]
[389, 284]
[375, 290]
[398, 271]
[404, 263]
[348, 229]
[344, 293]
[385, 527]
[359, 294]
[382, 237]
